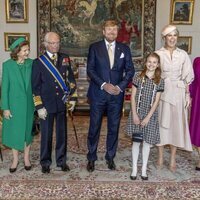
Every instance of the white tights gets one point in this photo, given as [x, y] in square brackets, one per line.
[145, 156]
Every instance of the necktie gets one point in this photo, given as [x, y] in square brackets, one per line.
[54, 58]
[110, 54]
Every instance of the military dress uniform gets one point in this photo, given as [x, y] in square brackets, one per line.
[48, 94]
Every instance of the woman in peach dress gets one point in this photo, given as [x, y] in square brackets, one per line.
[177, 73]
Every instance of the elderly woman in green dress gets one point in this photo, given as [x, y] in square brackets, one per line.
[17, 103]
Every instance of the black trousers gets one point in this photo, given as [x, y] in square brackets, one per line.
[46, 139]
[113, 109]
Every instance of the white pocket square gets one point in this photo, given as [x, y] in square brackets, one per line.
[122, 55]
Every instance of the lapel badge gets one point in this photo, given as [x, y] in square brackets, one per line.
[65, 61]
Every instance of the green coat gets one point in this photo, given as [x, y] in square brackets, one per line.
[16, 96]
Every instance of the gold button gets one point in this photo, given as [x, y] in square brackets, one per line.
[55, 81]
[57, 93]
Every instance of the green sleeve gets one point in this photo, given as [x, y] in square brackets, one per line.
[5, 88]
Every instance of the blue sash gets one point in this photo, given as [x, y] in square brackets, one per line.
[56, 74]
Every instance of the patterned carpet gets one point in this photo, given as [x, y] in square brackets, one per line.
[102, 183]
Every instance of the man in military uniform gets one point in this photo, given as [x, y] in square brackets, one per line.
[53, 84]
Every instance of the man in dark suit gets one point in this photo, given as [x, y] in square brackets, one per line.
[52, 83]
[110, 69]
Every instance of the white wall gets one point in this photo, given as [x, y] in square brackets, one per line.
[29, 27]
[162, 19]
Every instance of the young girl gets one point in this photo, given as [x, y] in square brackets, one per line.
[143, 119]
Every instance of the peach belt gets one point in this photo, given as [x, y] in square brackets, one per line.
[168, 98]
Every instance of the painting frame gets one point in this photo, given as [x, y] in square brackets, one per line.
[16, 12]
[185, 43]
[148, 33]
[182, 12]
[9, 38]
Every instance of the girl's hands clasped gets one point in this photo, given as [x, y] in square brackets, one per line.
[145, 121]
[136, 119]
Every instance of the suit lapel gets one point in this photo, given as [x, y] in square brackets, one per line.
[105, 53]
[117, 55]
[47, 55]
[18, 75]
[59, 61]
[28, 75]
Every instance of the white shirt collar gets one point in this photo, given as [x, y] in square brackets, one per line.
[113, 43]
[50, 54]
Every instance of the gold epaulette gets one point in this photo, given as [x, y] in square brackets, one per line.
[72, 85]
[37, 100]
[74, 94]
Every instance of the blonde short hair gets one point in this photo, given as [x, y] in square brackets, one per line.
[110, 22]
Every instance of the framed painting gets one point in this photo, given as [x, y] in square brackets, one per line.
[16, 11]
[181, 11]
[9, 38]
[185, 43]
[82, 72]
[79, 24]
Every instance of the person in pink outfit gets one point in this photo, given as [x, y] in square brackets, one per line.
[195, 116]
